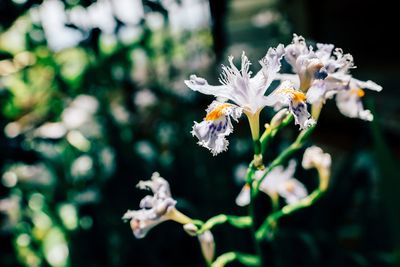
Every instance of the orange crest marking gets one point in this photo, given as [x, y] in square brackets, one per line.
[297, 95]
[217, 112]
[359, 92]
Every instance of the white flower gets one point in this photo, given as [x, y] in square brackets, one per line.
[246, 94]
[217, 124]
[338, 65]
[305, 62]
[155, 209]
[325, 73]
[238, 86]
[314, 157]
[348, 100]
[335, 61]
[339, 81]
[279, 181]
[287, 95]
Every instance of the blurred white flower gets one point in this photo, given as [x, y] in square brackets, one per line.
[279, 181]
[154, 20]
[348, 100]
[189, 15]
[155, 209]
[80, 111]
[314, 157]
[33, 174]
[144, 99]
[9, 207]
[52, 130]
[82, 167]
[265, 18]
[80, 116]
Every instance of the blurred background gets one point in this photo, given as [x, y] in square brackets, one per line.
[92, 100]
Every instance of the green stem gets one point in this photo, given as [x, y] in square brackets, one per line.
[296, 145]
[251, 211]
[252, 214]
[270, 132]
[246, 259]
[272, 219]
[236, 221]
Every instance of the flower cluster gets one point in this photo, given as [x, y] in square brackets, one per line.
[319, 74]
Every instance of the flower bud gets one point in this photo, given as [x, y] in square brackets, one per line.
[190, 229]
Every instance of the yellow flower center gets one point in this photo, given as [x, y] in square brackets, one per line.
[217, 112]
[359, 92]
[296, 95]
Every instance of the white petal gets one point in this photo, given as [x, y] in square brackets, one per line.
[292, 191]
[212, 131]
[293, 78]
[316, 93]
[280, 181]
[154, 209]
[297, 48]
[366, 85]
[324, 51]
[141, 221]
[344, 62]
[201, 85]
[350, 105]
[243, 199]
[314, 157]
[271, 65]
[301, 114]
